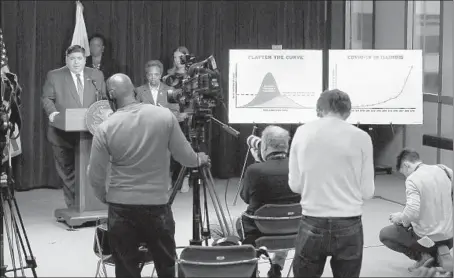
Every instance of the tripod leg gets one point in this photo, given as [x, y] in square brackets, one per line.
[240, 184]
[29, 258]
[177, 185]
[17, 232]
[196, 212]
[8, 236]
[206, 221]
[216, 202]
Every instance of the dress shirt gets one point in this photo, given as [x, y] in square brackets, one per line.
[74, 76]
[154, 93]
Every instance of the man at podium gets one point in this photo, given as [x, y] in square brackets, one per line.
[72, 86]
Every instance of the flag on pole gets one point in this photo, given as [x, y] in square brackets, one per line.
[3, 57]
[16, 148]
[80, 36]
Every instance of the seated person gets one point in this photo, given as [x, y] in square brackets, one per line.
[427, 216]
[265, 183]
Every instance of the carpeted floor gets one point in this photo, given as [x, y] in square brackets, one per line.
[63, 253]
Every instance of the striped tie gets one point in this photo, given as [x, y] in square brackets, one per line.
[80, 89]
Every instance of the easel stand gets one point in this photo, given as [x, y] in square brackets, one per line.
[379, 168]
[240, 182]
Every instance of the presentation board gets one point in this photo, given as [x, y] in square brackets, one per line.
[385, 86]
[274, 86]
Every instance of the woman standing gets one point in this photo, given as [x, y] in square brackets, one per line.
[98, 59]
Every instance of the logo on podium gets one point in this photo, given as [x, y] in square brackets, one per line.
[97, 113]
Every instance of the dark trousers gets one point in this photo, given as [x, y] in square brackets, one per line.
[340, 238]
[405, 241]
[130, 226]
[65, 163]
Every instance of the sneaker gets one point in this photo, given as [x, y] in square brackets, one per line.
[424, 258]
[275, 271]
[444, 258]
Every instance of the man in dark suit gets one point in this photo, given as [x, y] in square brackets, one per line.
[155, 92]
[72, 86]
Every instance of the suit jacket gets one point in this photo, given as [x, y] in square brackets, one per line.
[144, 95]
[60, 93]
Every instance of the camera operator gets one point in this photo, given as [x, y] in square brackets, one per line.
[427, 213]
[136, 140]
[266, 182]
[178, 71]
[174, 79]
[331, 166]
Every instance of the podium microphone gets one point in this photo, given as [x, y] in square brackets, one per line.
[96, 89]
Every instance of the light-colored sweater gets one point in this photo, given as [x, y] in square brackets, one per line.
[137, 140]
[331, 166]
[429, 205]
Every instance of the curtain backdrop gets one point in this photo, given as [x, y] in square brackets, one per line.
[37, 33]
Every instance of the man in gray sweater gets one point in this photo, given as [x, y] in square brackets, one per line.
[137, 140]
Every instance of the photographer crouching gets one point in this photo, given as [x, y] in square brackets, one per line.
[265, 182]
[137, 192]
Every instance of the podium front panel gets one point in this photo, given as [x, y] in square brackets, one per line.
[85, 198]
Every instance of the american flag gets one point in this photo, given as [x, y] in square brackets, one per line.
[4, 58]
[16, 148]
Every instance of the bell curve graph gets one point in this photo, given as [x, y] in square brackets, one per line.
[274, 86]
[384, 86]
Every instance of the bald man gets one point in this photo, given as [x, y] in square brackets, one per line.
[138, 140]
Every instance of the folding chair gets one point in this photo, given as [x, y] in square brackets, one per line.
[278, 225]
[218, 261]
[102, 250]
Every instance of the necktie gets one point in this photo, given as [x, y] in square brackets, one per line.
[80, 89]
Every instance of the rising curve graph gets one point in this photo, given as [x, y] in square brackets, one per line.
[383, 101]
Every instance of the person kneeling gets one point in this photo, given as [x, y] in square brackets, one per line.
[265, 183]
[424, 229]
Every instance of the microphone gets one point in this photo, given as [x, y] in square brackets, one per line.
[230, 130]
[96, 89]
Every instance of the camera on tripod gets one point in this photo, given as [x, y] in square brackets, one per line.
[18, 244]
[200, 89]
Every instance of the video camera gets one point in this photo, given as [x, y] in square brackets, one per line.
[200, 89]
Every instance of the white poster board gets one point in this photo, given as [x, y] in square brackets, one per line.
[385, 86]
[274, 86]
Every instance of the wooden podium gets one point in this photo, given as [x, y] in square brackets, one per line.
[87, 208]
